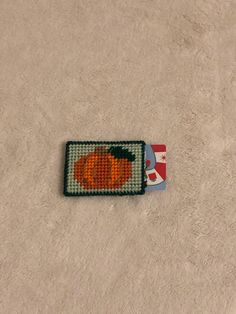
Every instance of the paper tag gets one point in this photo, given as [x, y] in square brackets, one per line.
[155, 167]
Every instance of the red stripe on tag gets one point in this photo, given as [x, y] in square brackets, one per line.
[161, 169]
[159, 148]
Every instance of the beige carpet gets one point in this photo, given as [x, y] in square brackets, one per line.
[161, 71]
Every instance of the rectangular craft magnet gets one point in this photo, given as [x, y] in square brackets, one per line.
[104, 168]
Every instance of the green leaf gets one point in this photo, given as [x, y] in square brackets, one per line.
[120, 152]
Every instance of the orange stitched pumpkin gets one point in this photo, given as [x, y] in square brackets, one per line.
[104, 168]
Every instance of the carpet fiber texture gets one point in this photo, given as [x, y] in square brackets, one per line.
[160, 71]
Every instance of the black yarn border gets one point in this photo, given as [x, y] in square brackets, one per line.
[66, 193]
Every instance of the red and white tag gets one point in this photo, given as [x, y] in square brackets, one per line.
[155, 169]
